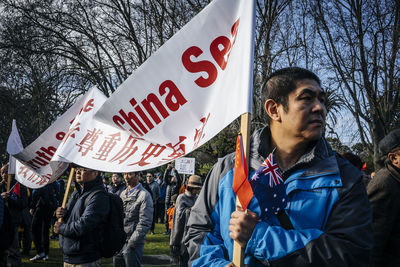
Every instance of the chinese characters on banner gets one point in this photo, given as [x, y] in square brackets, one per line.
[99, 146]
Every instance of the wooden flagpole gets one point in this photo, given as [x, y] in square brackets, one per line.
[64, 203]
[238, 251]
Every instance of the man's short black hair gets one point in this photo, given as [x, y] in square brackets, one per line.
[282, 82]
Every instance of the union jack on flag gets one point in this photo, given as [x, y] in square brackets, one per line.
[270, 168]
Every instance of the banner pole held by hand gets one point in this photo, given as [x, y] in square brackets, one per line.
[238, 251]
[64, 203]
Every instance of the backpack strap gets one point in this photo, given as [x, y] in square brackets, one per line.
[89, 197]
[284, 220]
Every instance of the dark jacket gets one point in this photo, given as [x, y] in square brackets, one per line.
[1, 211]
[384, 196]
[81, 232]
[45, 198]
[155, 191]
[184, 204]
[326, 203]
[116, 189]
[17, 203]
[172, 187]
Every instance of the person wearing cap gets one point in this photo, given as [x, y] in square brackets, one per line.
[308, 206]
[384, 195]
[184, 204]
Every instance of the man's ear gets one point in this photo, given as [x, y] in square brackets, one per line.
[271, 107]
[394, 158]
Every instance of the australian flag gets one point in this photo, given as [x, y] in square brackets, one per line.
[269, 188]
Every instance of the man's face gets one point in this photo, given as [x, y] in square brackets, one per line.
[84, 175]
[115, 179]
[196, 191]
[132, 179]
[305, 117]
[149, 178]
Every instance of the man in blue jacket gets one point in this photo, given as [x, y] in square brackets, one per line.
[309, 207]
[83, 220]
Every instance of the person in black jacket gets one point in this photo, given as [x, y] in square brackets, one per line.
[43, 204]
[116, 186]
[173, 182]
[17, 199]
[81, 229]
[383, 193]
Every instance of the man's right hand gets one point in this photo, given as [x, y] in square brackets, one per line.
[5, 195]
[60, 212]
[241, 225]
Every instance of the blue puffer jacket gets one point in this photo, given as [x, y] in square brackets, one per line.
[81, 232]
[327, 205]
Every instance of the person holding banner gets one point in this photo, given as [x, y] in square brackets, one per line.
[308, 205]
[83, 220]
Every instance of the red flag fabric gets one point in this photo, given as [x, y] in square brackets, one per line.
[241, 185]
[17, 190]
[364, 167]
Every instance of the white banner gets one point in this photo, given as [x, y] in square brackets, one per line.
[189, 90]
[14, 146]
[184, 94]
[33, 163]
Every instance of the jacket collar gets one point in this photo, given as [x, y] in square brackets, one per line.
[394, 171]
[118, 186]
[88, 185]
[189, 194]
[319, 152]
[136, 190]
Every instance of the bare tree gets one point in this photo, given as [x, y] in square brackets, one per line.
[34, 88]
[360, 44]
[105, 40]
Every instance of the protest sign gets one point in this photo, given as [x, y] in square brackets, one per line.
[185, 165]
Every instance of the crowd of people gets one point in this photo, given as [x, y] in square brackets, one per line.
[145, 201]
[310, 206]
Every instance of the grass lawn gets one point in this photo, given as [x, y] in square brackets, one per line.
[155, 245]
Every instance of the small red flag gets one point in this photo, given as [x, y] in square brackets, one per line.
[241, 185]
[17, 189]
[364, 167]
